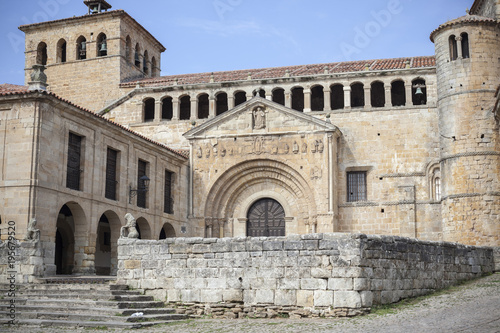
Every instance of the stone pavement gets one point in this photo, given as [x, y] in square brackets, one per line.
[473, 307]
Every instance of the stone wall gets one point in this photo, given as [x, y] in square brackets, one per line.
[313, 274]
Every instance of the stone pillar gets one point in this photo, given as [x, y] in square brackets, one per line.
[211, 107]
[459, 47]
[368, 97]
[347, 97]
[307, 100]
[388, 99]
[408, 96]
[269, 96]
[176, 105]
[194, 109]
[288, 99]
[158, 105]
[230, 101]
[327, 98]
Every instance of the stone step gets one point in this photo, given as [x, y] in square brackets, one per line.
[54, 315]
[90, 311]
[58, 287]
[133, 298]
[36, 323]
[84, 303]
[74, 294]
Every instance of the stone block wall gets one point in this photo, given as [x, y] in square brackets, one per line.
[312, 274]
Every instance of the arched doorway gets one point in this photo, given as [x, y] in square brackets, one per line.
[266, 218]
[143, 228]
[65, 241]
[106, 254]
[167, 231]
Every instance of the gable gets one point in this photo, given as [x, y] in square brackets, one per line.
[260, 116]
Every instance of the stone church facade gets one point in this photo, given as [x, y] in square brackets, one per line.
[406, 146]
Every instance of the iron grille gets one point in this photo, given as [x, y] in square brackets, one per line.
[141, 195]
[111, 165]
[168, 206]
[356, 186]
[74, 162]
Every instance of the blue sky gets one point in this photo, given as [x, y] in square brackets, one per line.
[218, 35]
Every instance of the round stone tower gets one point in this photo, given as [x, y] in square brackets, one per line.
[468, 75]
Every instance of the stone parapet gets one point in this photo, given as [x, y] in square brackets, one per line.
[313, 274]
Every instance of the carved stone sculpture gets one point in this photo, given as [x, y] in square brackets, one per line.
[33, 234]
[259, 118]
[129, 230]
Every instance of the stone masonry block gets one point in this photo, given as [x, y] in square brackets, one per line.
[211, 296]
[286, 297]
[347, 299]
[264, 296]
[305, 298]
[232, 295]
[323, 298]
[313, 284]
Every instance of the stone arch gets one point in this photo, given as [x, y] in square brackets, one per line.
[148, 109]
[377, 94]
[317, 98]
[298, 98]
[167, 108]
[41, 53]
[137, 55]
[145, 62]
[167, 231]
[221, 103]
[154, 67]
[453, 47]
[398, 92]
[261, 92]
[357, 95]
[421, 97]
[143, 228]
[102, 45]
[203, 106]
[185, 107]
[62, 48]
[278, 95]
[260, 178]
[240, 97]
[128, 49]
[108, 232]
[337, 96]
[465, 45]
[81, 48]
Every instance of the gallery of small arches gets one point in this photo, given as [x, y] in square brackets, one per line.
[337, 96]
[73, 239]
[73, 50]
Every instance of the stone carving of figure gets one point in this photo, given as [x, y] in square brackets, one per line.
[216, 150]
[199, 152]
[259, 118]
[295, 147]
[304, 148]
[223, 151]
[286, 148]
[33, 234]
[208, 150]
[259, 142]
[129, 230]
[321, 147]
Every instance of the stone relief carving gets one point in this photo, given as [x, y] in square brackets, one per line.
[33, 234]
[215, 149]
[295, 147]
[316, 173]
[318, 146]
[129, 230]
[199, 152]
[223, 152]
[274, 150]
[304, 148]
[258, 145]
[259, 118]
[208, 151]
[286, 149]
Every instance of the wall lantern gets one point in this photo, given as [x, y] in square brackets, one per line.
[143, 186]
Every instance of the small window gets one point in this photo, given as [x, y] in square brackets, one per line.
[398, 93]
[357, 95]
[317, 98]
[141, 193]
[167, 109]
[137, 57]
[41, 54]
[81, 48]
[453, 48]
[203, 106]
[377, 94]
[240, 97]
[356, 186]
[111, 174]
[435, 184]
[437, 188]
[73, 170]
[128, 49]
[465, 45]
[221, 105]
[185, 108]
[279, 96]
[153, 67]
[168, 205]
[337, 96]
[61, 51]
[145, 61]
[149, 110]
[298, 99]
[102, 45]
[419, 92]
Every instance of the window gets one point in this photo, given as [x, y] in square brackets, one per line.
[357, 95]
[61, 51]
[260, 93]
[419, 92]
[317, 98]
[81, 48]
[167, 109]
[279, 96]
[137, 58]
[240, 97]
[102, 45]
[149, 110]
[73, 170]
[437, 188]
[298, 99]
[435, 183]
[141, 194]
[356, 186]
[185, 108]
[337, 96]
[465, 45]
[145, 61]
[453, 48]
[398, 93]
[111, 174]
[168, 204]
[221, 104]
[128, 49]
[377, 93]
[203, 106]
[41, 54]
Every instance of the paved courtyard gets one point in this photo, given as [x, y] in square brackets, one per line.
[473, 307]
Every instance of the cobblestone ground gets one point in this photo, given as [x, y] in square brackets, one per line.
[473, 307]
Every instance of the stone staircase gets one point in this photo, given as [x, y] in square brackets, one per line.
[83, 302]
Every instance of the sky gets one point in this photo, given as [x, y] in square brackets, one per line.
[218, 35]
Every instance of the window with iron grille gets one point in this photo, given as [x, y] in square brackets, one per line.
[141, 194]
[111, 179]
[168, 206]
[356, 186]
[73, 170]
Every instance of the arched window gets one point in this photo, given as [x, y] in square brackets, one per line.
[298, 99]
[185, 108]
[81, 48]
[137, 57]
[41, 54]
[149, 109]
[337, 96]
[240, 97]
[398, 93]
[435, 183]
[418, 92]
[102, 45]
[167, 109]
[357, 95]
[317, 98]
[377, 94]
[61, 51]
[221, 105]
[279, 96]
[128, 49]
[145, 61]
[203, 106]
[453, 48]
[465, 45]
[153, 67]
[260, 93]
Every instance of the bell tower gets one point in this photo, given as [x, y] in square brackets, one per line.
[87, 57]
[468, 76]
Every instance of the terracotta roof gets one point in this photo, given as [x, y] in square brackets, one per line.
[280, 72]
[11, 89]
[118, 12]
[464, 19]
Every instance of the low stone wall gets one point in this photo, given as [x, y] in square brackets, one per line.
[20, 262]
[306, 275]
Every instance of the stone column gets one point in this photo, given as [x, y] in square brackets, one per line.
[158, 105]
[459, 47]
[269, 96]
[194, 109]
[176, 105]
[347, 97]
[288, 99]
[211, 107]
[307, 100]
[327, 98]
[368, 97]
[388, 99]
[230, 101]
[408, 96]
